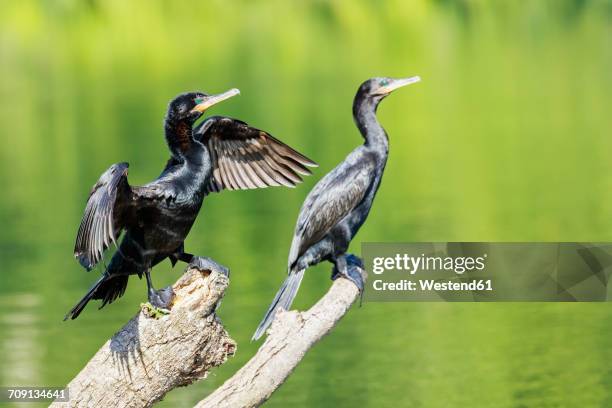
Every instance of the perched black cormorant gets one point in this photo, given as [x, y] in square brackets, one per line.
[339, 204]
[220, 153]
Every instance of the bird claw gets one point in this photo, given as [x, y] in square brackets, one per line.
[207, 264]
[162, 299]
[354, 265]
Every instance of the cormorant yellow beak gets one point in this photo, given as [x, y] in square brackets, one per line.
[214, 99]
[396, 83]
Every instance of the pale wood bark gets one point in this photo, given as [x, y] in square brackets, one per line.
[290, 336]
[149, 357]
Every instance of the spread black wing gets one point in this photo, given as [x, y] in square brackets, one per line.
[245, 158]
[109, 209]
[103, 218]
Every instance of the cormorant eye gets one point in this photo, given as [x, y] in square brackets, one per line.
[199, 100]
[384, 82]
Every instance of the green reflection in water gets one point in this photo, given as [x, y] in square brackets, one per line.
[506, 139]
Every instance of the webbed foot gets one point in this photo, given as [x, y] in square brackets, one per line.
[162, 298]
[207, 264]
[349, 267]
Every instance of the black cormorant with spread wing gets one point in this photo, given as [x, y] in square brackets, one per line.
[220, 153]
[339, 204]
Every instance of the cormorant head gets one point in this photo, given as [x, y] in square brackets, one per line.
[374, 90]
[191, 106]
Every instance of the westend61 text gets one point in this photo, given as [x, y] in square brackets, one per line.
[432, 285]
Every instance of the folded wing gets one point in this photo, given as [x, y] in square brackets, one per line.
[102, 221]
[246, 158]
[329, 202]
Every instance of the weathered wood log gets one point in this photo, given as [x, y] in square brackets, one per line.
[150, 356]
[290, 336]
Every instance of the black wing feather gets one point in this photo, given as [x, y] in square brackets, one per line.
[101, 222]
[245, 158]
[332, 199]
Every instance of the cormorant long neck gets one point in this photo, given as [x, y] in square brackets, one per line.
[178, 136]
[364, 113]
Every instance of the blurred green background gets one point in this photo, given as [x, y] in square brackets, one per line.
[507, 138]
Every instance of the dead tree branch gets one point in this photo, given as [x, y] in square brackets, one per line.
[291, 335]
[150, 356]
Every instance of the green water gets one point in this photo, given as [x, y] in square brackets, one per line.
[507, 138]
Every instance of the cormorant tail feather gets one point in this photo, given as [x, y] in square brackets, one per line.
[284, 298]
